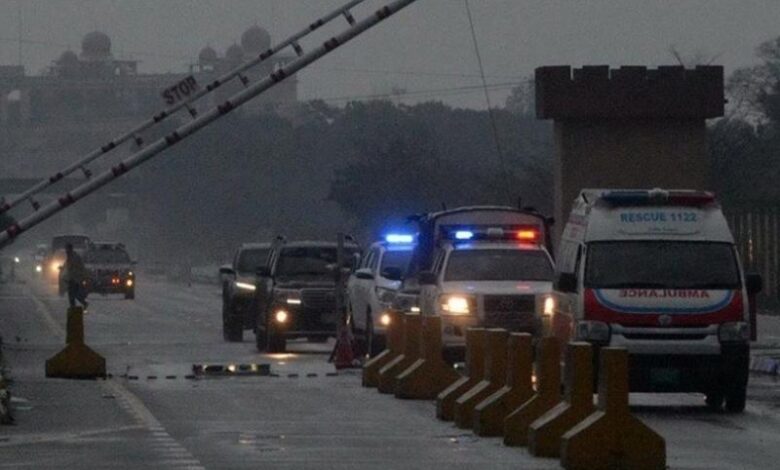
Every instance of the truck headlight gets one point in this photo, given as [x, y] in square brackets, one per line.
[245, 286]
[281, 316]
[734, 332]
[549, 306]
[596, 331]
[385, 296]
[457, 304]
[385, 319]
[129, 283]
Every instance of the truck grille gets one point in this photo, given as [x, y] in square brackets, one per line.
[509, 303]
[319, 300]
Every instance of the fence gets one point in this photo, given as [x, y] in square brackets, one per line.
[756, 228]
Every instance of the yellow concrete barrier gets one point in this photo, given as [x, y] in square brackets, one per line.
[548, 393]
[429, 375]
[612, 438]
[544, 436]
[77, 360]
[495, 378]
[410, 352]
[475, 366]
[489, 415]
[393, 337]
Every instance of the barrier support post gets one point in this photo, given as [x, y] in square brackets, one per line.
[544, 438]
[393, 333]
[548, 393]
[475, 367]
[495, 378]
[489, 415]
[410, 353]
[77, 360]
[430, 374]
[612, 437]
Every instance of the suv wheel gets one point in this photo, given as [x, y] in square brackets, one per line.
[735, 400]
[375, 343]
[714, 400]
[232, 326]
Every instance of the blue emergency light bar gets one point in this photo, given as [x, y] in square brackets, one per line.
[464, 235]
[399, 238]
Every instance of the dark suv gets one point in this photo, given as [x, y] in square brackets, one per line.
[238, 289]
[297, 293]
[110, 269]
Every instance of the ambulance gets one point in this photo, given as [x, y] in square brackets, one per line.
[656, 272]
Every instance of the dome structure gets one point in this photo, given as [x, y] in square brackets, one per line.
[207, 55]
[234, 53]
[96, 46]
[68, 58]
[255, 40]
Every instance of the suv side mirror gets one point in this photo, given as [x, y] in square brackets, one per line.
[263, 271]
[754, 283]
[364, 274]
[567, 282]
[226, 270]
[427, 278]
[392, 273]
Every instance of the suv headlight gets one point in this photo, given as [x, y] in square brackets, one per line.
[734, 332]
[457, 304]
[596, 331]
[385, 296]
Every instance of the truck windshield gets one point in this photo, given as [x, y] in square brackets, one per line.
[498, 265]
[310, 261]
[251, 259]
[396, 259]
[106, 257]
[661, 265]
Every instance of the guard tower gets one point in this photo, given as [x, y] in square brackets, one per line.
[629, 127]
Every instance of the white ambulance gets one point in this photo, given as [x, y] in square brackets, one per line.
[657, 272]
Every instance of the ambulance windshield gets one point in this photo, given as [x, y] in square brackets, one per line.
[661, 265]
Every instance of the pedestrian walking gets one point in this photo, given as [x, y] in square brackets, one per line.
[75, 274]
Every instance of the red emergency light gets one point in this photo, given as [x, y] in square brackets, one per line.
[528, 235]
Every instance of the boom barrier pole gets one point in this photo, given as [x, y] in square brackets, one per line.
[199, 123]
[165, 114]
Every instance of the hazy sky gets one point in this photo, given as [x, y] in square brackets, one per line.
[427, 47]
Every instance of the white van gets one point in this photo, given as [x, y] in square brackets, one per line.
[657, 272]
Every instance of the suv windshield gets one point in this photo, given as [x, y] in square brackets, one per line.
[396, 259]
[498, 265]
[106, 256]
[310, 261]
[662, 265]
[252, 258]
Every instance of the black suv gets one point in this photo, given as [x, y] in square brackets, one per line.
[296, 293]
[238, 289]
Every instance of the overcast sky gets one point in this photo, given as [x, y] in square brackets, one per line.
[426, 47]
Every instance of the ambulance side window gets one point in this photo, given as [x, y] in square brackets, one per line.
[578, 262]
[569, 257]
[438, 260]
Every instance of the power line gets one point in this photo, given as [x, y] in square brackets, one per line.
[493, 124]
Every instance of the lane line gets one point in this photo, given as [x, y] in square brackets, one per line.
[54, 327]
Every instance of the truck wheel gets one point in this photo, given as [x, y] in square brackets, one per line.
[129, 295]
[714, 400]
[232, 327]
[735, 400]
[374, 342]
[277, 344]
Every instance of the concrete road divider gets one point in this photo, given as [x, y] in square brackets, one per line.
[77, 360]
[544, 436]
[489, 415]
[548, 393]
[412, 325]
[495, 378]
[429, 375]
[475, 368]
[393, 333]
[611, 437]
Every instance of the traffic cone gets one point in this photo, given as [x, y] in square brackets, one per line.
[343, 355]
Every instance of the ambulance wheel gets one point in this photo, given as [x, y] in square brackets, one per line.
[735, 400]
[714, 400]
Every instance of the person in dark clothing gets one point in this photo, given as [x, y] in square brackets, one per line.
[75, 274]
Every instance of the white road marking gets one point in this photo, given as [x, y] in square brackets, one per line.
[54, 327]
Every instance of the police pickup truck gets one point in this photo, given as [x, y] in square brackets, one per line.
[238, 289]
[110, 269]
[479, 266]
